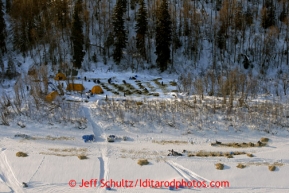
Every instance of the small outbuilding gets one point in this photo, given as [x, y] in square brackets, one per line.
[51, 96]
[96, 90]
[60, 76]
[75, 87]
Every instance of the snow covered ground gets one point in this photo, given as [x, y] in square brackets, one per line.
[52, 164]
[52, 159]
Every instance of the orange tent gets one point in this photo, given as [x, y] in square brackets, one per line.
[75, 87]
[51, 96]
[97, 90]
[60, 76]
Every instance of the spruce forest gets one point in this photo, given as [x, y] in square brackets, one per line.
[198, 36]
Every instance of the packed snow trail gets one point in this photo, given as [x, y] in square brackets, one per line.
[7, 174]
[97, 130]
[186, 173]
[103, 160]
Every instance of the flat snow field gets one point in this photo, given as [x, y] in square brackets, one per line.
[52, 164]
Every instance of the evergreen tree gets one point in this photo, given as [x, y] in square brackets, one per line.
[11, 69]
[268, 14]
[123, 5]
[218, 4]
[249, 17]
[238, 17]
[141, 29]
[1, 64]
[163, 36]
[2, 29]
[8, 5]
[283, 14]
[120, 36]
[220, 38]
[246, 62]
[77, 36]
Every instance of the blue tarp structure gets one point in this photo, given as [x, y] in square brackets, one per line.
[87, 138]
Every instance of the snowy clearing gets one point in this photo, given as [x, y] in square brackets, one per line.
[52, 161]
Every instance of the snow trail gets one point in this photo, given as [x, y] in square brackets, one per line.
[103, 160]
[8, 175]
[37, 168]
[97, 130]
[186, 173]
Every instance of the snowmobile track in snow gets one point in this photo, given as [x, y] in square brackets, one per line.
[103, 160]
[186, 173]
[8, 175]
[37, 168]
